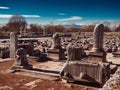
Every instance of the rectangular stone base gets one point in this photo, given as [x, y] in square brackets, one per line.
[97, 56]
[56, 54]
[87, 71]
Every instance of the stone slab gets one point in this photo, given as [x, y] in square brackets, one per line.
[56, 54]
[97, 56]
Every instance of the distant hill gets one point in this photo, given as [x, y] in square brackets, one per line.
[73, 25]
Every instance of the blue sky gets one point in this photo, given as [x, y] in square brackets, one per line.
[61, 11]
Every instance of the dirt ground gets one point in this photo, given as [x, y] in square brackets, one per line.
[11, 81]
[33, 80]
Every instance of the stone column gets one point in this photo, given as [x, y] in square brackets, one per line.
[98, 37]
[98, 54]
[56, 43]
[13, 44]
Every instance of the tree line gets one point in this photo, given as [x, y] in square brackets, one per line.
[49, 29]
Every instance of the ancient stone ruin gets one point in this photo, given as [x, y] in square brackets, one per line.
[93, 70]
[56, 42]
[81, 65]
[56, 52]
[98, 54]
[98, 37]
[21, 61]
[97, 73]
[74, 52]
[13, 44]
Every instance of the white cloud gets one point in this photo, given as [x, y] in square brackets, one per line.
[71, 18]
[1, 7]
[62, 14]
[26, 16]
[31, 16]
[5, 16]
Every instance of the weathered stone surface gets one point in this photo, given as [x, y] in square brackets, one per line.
[86, 71]
[113, 68]
[4, 52]
[113, 83]
[98, 37]
[56, 52]
[13, 44]
[21, 60]
[56, 43]
[98, 54]
[74, 52]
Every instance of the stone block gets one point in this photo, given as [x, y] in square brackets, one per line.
[86, 71]
[97, 56]
[56, 54]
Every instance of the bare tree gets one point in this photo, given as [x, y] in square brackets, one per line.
[116, 28]
[17, 23]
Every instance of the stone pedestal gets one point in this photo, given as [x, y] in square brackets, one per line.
[56, 54]
[13, 44]
[97, 56]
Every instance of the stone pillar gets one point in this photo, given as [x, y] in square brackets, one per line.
[56, 43]
[13, 44]
[98, 37]
[98, 54]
